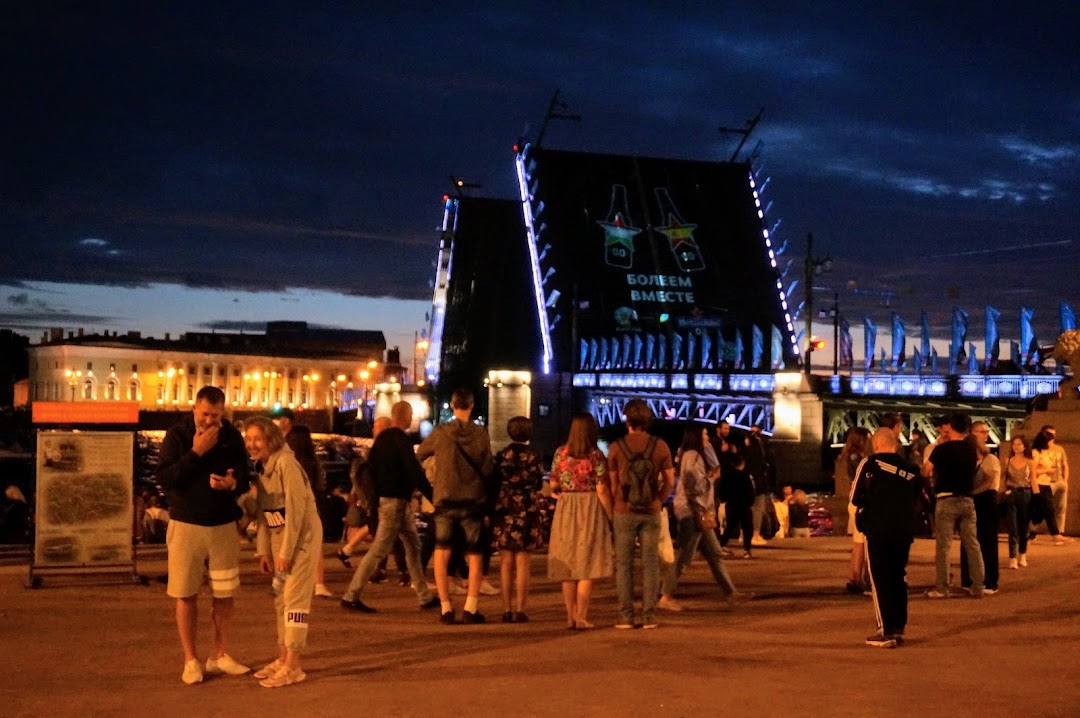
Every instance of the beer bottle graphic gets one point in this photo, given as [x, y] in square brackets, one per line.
[680, 234]
[619, 231]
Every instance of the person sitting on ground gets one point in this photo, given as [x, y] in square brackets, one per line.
[799, 514]
[781, 506]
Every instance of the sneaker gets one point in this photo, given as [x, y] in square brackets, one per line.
[192, 672]
[283, 677]
[269, 669]
[667, 603]
[989, 591]
[1023, 560]
[758, 541]
[225, 664]
[879, 641]
[322, 591]
[934, 593]
[471, 617]
[344, 558]
[624, 626]
[405, 580]
[650, 625]
[447, 619]
[357, 605]
[486, 589]
[508, 617]
[746, 555]
[727, 553]
[432, 602]
[520, 617]
[1013, 564]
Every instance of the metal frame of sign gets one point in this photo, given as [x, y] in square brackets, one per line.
[84, 507]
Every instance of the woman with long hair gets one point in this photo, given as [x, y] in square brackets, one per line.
[856, 448]
[580, 550]
[695, 511]
[1019, 482]
[288, 546]
[1043, 495]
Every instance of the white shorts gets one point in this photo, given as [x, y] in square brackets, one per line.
[192, 548]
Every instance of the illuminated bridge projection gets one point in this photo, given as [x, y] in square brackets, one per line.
[966, 386]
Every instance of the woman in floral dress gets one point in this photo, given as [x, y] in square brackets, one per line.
[517, 529]
[581, 548]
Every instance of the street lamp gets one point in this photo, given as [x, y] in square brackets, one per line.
[813, 267]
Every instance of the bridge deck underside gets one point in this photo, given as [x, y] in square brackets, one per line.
[739, 410]
[843, 414]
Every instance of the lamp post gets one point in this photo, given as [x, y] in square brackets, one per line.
[813, 266]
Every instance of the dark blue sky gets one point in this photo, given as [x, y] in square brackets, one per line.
[930, 147]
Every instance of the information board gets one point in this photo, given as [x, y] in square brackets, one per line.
[84, 499]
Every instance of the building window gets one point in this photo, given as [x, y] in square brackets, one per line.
[176, 393]
[191, 392]
[89, 366]
[88, 389]
[110, 390]
[133, 391]
[135, 367]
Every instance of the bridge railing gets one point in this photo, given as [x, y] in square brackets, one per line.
[970, 386]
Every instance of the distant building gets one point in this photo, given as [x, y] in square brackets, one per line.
[290, 365]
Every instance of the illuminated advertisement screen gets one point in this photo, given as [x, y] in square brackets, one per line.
[654, 248]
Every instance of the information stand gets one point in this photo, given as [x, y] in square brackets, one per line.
[84, 508]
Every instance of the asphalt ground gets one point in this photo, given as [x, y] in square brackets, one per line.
[88, 646]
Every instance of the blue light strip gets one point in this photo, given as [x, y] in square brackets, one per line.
[442, 285]
[772, 261]
[538, 288]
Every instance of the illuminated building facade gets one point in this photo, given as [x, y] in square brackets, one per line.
[290, 365]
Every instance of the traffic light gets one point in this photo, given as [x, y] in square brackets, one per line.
[817, 344]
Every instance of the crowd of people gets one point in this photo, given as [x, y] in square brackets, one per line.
[608, 507]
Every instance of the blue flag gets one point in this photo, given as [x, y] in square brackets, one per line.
[604, 357]
[1028, 342]
[676, 351]
[973, 363]
[738, 351]
[899, 342]
[721, 350]
[869, 342]
[924, 328]
[757, 346]
[583, 355]
[650, 351]
[691, 349]
[918, 361]
[776, 349]
[706, 351]
[933, 361]
[661, 353]
[847, 346]
[957, 352]
[638, 346]
[992, 315]
[1068, 318]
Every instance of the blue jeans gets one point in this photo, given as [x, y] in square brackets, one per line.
[689, 539]
[395, 520]
[1018, 509]
[950, 511]
[628, 527]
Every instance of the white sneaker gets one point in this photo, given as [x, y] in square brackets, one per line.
[283, 677]
[758, 541]
[1012, 563]
[1023, 560]
[322, 591]
[225, 664]
[486, 589]
[667, 603]
[192, 672]
[269, 669]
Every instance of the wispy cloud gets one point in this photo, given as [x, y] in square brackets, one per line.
[1038, 154]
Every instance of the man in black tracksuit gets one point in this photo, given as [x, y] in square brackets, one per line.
[884, 493]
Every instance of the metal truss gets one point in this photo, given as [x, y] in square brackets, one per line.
[839, 419]
[740, 411]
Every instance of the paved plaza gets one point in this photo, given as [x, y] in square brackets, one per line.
[81, 646]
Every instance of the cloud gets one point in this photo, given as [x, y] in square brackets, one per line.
[1038, 154]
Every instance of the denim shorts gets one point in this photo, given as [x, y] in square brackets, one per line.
[469, 518]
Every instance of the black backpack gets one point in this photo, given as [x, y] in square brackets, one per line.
[640, 487]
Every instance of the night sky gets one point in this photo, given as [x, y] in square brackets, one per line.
[165, 168]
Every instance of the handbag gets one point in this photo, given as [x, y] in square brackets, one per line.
[705, 521]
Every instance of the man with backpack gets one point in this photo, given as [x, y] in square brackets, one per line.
[641, 476]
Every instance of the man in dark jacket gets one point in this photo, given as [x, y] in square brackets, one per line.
[204, 468]
[884, 492]
[396, 474]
